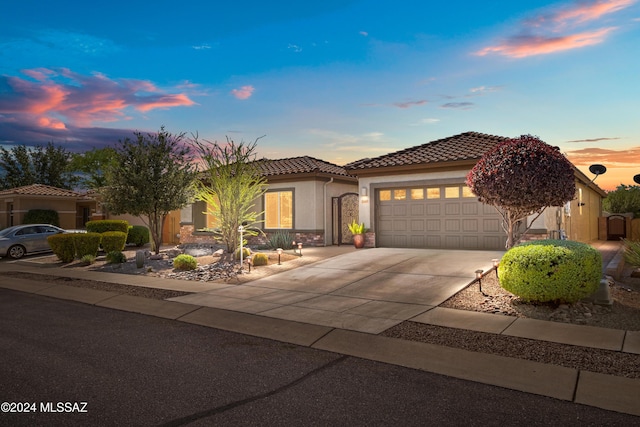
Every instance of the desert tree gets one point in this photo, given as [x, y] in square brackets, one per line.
[90, 166]
[230, 185]
[624, 199]
[151, 175]
[48, 165]
[521, 177]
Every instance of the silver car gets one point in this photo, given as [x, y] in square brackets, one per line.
[19, 240]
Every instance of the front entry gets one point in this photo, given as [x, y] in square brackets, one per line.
[344, 212]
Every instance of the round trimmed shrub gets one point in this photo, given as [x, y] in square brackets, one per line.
[551, 271]
[63, 246]
[102, 225]
[87, 243]
[260, 259]
[185, 262]
[138, 235]
[113, 241]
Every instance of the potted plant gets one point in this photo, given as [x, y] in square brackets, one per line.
[358, 231]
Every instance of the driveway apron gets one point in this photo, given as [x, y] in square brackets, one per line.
[369, 290]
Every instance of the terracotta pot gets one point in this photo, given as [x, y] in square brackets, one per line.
[358, 241]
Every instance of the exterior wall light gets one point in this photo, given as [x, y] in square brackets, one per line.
[364, 195]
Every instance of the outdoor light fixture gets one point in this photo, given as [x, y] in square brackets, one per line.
[249, 263]
[279, 250]
[300, 249]
[241, 230]
[479, 280]
[364, 195]
[597, 170]
[636, 179]
[496, 263]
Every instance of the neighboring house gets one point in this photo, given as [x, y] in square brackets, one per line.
[74, 209]
[417, 198]
[311, 199]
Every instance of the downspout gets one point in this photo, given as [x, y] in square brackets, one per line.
[324, 208]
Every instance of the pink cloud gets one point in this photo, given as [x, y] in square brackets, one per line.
[521, 47]
[583, 12]
[80, 100]
[244, 92]
[548, 32]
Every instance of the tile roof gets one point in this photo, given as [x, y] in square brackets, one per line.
[40, 190]
[299, 165]
[465, 146]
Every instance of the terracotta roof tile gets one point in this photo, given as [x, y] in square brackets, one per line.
[297, 165]
[465, 146]
[41, 190]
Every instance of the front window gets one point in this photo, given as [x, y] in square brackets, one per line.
[278, 212]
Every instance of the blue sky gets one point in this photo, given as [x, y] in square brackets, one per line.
[337, 80]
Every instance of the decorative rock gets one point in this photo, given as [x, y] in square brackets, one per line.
[635, 273]
[219, 252]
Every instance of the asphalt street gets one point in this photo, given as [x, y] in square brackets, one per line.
[73, 364]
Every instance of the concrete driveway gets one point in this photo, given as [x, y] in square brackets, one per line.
[367, 290]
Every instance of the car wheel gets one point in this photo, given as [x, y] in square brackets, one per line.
[16, 252]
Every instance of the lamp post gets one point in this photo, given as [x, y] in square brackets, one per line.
[479, 280]
[496, 264]
[241, 230]
[279, 250]
[300, 249]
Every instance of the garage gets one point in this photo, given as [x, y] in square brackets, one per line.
[435, 216]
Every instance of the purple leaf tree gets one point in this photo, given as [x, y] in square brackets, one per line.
[520, 177]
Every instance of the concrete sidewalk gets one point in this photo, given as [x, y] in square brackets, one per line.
[340, 303]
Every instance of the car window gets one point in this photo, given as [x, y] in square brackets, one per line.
[27, 230]
[46, 229]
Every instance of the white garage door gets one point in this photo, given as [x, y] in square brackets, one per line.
[442, 216]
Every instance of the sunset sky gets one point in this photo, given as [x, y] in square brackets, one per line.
[339, 80]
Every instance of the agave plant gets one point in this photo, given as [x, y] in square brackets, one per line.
[356, 228]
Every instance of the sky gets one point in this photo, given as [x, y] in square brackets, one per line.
[339, 80]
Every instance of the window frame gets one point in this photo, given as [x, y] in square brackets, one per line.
[293, 210]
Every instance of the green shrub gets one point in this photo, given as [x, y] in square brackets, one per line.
[116, 257]
[87, 244]
[260, 259]
[551, 271]
[632, 252]
[245, 253]
[280, 239]
[185, 262]
[63, 246]
[41, 216]
[87, 260]
[138, 235]
[113, 241]
[104, 225]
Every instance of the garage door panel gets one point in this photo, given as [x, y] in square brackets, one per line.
[470, 225]
[417, 210]
[452, 208]
[491, 225]
[385, 210]
[469, 208]
[434, 209]
[418, 226]
[400, 225]
[433, 225]
[452, 225]
[400, 210]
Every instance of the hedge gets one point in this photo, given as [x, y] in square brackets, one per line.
[138, 235]
[104, 225]
[113, 241]
[87, 243]
[42, 216]
[63, 246]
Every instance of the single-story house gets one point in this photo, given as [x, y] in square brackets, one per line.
[417, 198]
[74, 209]
[311, 199]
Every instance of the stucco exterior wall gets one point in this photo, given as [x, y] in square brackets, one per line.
[21, 205]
